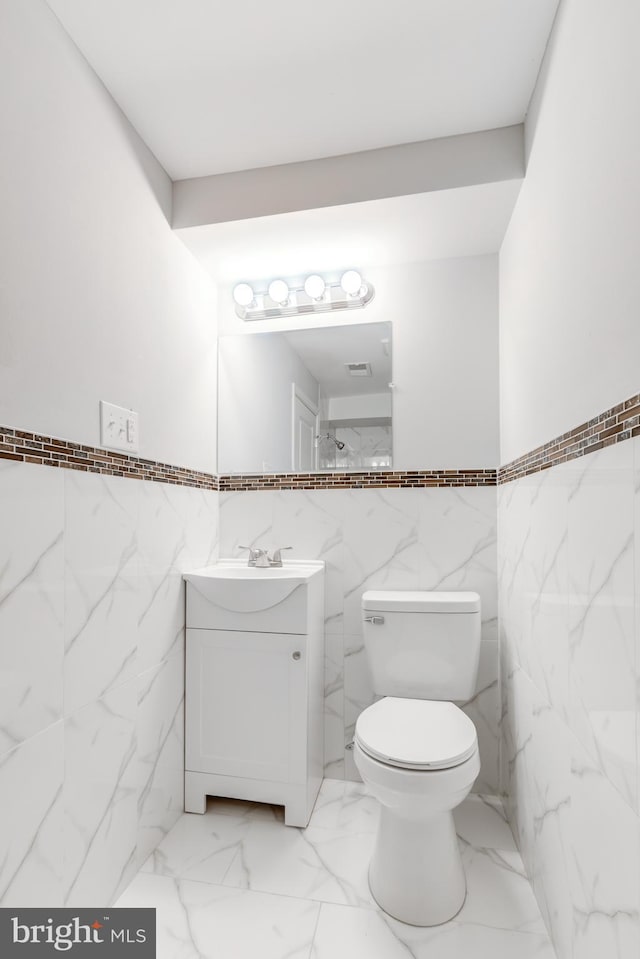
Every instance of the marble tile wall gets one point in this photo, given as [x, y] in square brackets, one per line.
[569, 585]
[381, 539]
[91, 675]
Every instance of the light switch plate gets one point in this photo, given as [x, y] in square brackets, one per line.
[118, 428]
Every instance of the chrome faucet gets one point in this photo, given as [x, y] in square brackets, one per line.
[257, 556]
[260, 557]
[276, 558]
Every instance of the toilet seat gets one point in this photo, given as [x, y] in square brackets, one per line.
[418, 734]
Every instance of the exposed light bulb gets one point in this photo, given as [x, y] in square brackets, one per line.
[243, 294]
[314, 286]
[279, 292]
[351, 282]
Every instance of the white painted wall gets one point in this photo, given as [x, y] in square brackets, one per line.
[445, 363]
[256, 374]
[98, 300]
[445, 356]
[569, 277]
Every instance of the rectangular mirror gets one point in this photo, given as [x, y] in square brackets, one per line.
[305, 400]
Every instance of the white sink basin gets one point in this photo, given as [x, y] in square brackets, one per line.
[233, 585]
[232, 569]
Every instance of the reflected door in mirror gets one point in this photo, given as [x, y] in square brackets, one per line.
[342, 417]
[304, 433]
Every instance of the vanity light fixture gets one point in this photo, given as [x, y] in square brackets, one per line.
[243, 294]
[314, 287]
[351, 282]
[264, 300]
[279, 292]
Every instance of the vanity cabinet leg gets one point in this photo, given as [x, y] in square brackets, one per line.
[195, 800]
[297, 807]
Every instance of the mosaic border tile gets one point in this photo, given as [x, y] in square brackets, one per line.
[384, 479]
[25, 447]
[615, 425]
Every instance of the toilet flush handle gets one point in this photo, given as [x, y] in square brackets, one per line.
[376, 620]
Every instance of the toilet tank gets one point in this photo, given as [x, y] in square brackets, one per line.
[422, 644]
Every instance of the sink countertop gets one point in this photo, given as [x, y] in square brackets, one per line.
[237, 569]
[234, 586]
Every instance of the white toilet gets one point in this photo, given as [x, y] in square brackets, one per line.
[415, 750]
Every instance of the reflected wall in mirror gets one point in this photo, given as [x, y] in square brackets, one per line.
[306, 400]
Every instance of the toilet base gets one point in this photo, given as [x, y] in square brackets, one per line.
[416, 872]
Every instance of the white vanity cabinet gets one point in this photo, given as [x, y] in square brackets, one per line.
[254, 685]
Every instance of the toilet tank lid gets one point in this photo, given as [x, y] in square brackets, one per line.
[420, 601]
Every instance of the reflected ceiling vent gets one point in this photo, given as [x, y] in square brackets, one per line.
[358, 369]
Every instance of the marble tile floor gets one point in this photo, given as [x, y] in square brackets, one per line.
[237, 883]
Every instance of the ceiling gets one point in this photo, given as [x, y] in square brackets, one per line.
[325, 352]
[214, 86]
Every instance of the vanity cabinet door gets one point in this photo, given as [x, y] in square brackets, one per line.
[246, 704]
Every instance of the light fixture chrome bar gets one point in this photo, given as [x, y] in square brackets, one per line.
[262, 307]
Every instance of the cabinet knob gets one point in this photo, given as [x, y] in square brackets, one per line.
[296, 655]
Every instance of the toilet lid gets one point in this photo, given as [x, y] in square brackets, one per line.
[416, 733]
